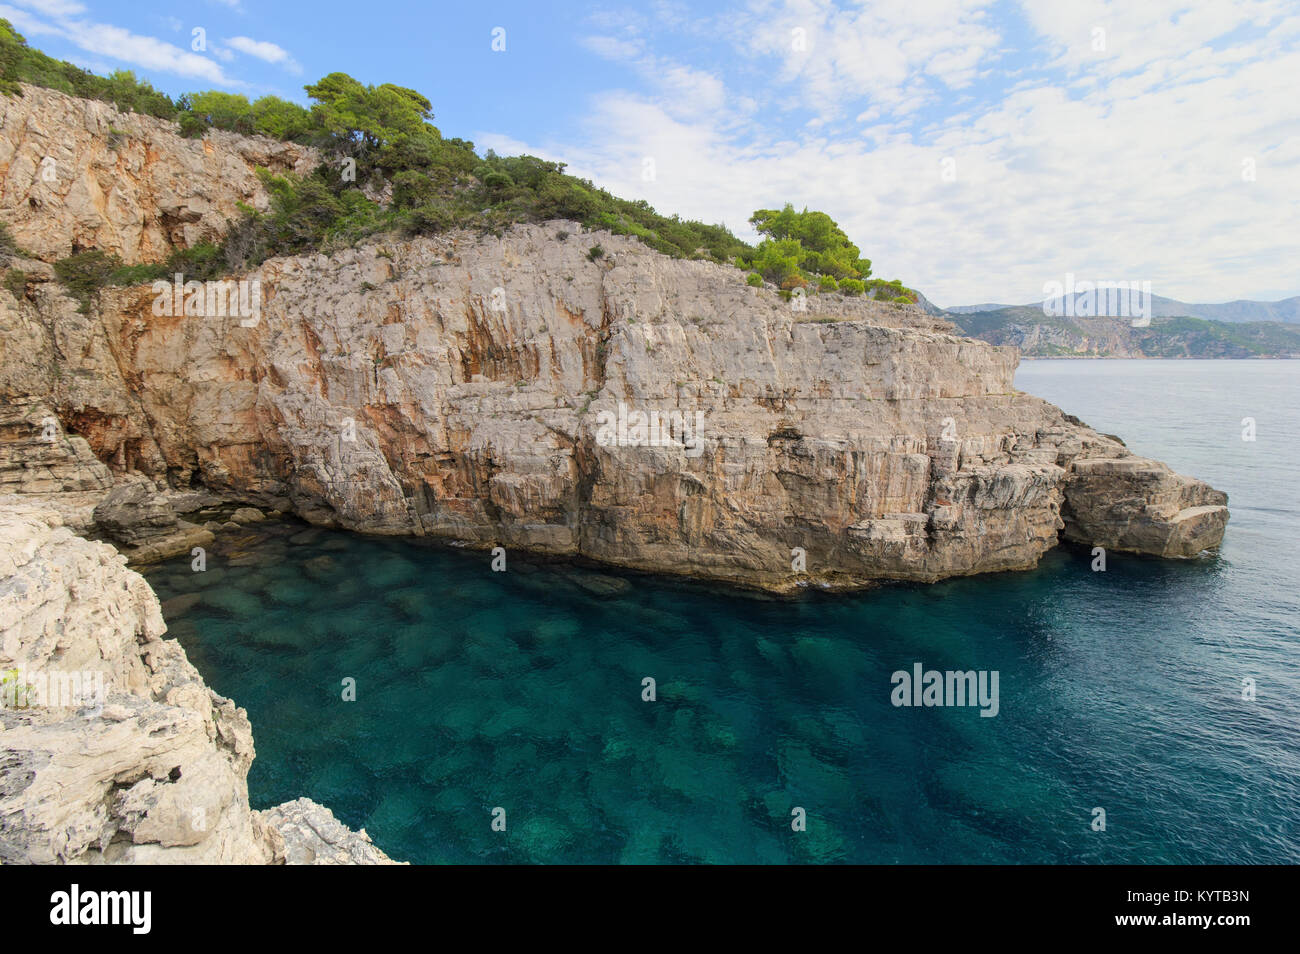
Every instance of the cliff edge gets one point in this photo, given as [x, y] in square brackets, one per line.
[112, 749]
[548, 387]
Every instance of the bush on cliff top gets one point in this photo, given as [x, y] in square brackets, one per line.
[19, 63]
[380, 139]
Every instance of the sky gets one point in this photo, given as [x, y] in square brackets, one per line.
[975, 150]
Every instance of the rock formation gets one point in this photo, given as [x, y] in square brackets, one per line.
[454, 387]
[77, 174]
[524, 389]
[112, 749]
[458, 387]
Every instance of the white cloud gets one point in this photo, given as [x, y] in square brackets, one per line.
[54, 8]
[25, 23]
[878, 51]
[101, 39]
[265, 51]
[1128, 167]
[146, 51]
[684, 90]
[1137, 35]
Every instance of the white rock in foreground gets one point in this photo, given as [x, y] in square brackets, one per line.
[147, 764]
[313, 836]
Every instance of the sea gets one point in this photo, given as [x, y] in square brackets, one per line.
[1147, 712]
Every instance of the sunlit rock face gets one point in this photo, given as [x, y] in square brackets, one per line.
[112, 748]
[77, 174]
[632, 408]
[566, 391]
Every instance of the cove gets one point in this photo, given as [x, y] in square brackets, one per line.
[522, 690]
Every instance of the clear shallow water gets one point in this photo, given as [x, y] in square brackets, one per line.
[522, 689]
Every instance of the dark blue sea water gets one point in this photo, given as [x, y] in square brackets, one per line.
[1120, 690]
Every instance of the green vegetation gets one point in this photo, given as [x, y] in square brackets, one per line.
[381, 138]
[8, 245]
[803, 243]
[1200, 338]
[15, 281]
[84, 274]
[806, 248]
[267, 116]
[20, 63]
[15, 692]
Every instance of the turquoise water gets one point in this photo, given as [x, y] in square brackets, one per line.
[522, 690]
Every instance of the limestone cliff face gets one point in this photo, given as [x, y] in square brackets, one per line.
[456, 387]
[77, 174]
[488, 389]
[112, 749]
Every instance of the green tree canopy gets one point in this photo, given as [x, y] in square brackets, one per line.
[386, 124]
[809, 241]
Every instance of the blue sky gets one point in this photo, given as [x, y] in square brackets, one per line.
[976, 150]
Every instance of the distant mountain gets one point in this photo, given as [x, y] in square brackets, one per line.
[968, 309]
[929, 307]
[1242, 310]
[1040, 336]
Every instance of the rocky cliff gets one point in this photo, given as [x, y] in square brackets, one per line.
[491, 389]
[112, 749]
[547, 388]
[457, 387]
[77, 174]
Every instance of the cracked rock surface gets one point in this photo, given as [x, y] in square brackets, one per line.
[152, 769]
[485, 389]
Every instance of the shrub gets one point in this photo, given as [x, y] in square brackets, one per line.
[16, 282]
[8, 245]
[497, 181]
[430, 219]
[595, 252]
[15, 692]
[192, 127]
[852, 286]
[811, 241]
[754, 279]
[85, 273]
[411, 189]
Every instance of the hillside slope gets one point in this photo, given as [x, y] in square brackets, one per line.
[1042, 336]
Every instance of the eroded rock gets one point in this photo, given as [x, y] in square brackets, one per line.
[112, 749]
[80, 174]
[313, 836]
[461, 387]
